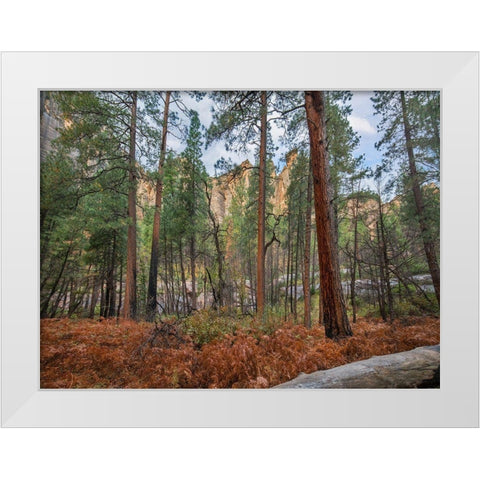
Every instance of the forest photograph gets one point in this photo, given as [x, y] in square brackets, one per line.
[239, 239]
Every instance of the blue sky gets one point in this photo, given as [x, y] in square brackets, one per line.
[364, 123]
[361, 119]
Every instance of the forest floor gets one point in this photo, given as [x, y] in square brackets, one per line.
[210, 351]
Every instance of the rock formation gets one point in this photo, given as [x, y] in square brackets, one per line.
[49, 123]
[224, 188]
[225, 185]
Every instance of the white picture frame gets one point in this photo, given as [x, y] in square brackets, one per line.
[455, 404]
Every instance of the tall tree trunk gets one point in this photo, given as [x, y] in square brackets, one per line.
[72, 297]
[193, 272]
[320, 300]
[428, 244]
[153, 272]
[130, 306]
[314, 246]
[119, 308]
[185, 294]
[221, 281]
[261, 207]
[384, 260]
[334, 311]
[111, 287]
[314, 276]
[297, 252]
[176, 282]
[93, 301]
[354, 260]
[251, 279]
[186, 302]
[166, 300]
[307, 320]
[290, 260]
[102, 295]
[381, 276]
[287, 278]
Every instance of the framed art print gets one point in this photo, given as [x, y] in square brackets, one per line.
[240, 239]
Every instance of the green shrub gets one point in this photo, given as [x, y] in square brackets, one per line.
[206, 325]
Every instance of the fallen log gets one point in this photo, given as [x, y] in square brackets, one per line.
[418, 368]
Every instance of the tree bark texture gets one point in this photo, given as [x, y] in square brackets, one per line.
[334, 311]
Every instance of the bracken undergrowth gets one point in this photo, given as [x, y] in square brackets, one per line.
[109, 354]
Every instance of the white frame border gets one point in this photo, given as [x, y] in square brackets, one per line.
[455, 404]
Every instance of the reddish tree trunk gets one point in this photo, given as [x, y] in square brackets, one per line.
[261, 208]
[334, 311]
[153, 272]
[130, 307]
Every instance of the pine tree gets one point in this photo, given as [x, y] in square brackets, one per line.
[410, 122]
[334, 311]
[154, 256]
[195, 176]
[83, 193]
[130, 306]
[261, 206]
[242, 120]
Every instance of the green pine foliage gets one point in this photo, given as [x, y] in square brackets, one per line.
[84, 218]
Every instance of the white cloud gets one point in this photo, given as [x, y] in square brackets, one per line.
[362, 125]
